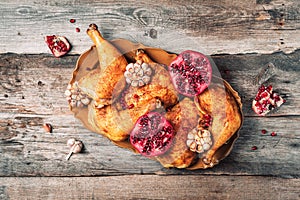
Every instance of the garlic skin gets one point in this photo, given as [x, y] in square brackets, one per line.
[138, 75]
[199, 140]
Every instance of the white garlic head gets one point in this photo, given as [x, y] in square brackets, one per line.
[76, 97]
[138, 75]
[199, 140]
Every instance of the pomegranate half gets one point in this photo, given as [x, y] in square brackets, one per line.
[152, 134]
[191, 73]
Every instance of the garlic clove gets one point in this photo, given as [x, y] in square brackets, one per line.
[85, 101]
[73, 103]
[190, 136]
[146, 79]
[134, 83]
[68, 93]
[205, 133]
[140, 73]
[200, 149]
[201, 141]
[127, 74]
[206, 146]
[193, 146]
[136, 67]
[71, 142]
[189, 142]
[145, 66]
[129, 67]
[141, 83]
[148, 71]
[128, 80]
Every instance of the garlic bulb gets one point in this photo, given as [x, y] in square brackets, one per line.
[75, 96]
[199, 140]
[138, 75]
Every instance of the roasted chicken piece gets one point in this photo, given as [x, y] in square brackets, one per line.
[112, 67]
[183, 118]
[222, 104]
[202, 134]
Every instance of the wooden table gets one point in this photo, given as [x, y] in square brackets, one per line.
[242, 38]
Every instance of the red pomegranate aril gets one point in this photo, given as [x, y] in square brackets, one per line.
[273, 134]
[152, 134]
[77, 30]
[190, 73]
[130, 106]
[254, 148]
[270, 88]
[206, 125]
[72, 20]
[263, 131]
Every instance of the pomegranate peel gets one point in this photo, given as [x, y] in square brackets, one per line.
[59, 45]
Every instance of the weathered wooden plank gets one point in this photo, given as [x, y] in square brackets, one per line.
[150, 187]
[32, 88]
[29, 151]
[213, 27]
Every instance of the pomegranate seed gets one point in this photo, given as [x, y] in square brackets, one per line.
[72, 20]
[136, 96]
[254, 148]
[207, 116]
[206, 125]
[273, 134]
[263, 131]
[130, 106]
[77, 30]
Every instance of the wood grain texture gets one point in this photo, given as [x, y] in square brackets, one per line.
[32, 93]
[32, 85]
[212, 27]
[150, 187]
